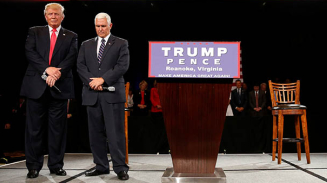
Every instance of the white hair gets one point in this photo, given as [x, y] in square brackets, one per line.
[54, 6]
[103, 15]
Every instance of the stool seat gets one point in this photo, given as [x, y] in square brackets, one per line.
[288, 106]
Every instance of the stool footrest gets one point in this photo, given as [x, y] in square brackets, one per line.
[290, 140]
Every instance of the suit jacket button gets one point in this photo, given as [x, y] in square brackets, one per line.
[99, 69]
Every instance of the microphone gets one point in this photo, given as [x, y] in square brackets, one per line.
[44, 77]
[109, 88]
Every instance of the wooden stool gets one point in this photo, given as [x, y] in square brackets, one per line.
[285, 98]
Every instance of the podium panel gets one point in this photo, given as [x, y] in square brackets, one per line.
[194, 115]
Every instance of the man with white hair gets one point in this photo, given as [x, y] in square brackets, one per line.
[102, 61]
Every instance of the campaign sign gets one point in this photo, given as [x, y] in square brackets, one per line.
[194, 59]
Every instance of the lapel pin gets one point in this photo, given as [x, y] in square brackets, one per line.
[109, 43]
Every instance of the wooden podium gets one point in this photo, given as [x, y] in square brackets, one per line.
[194, 115]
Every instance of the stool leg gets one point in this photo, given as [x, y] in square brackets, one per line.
[298, 135]
[280, 136]
[305, 135]
[274, 136]
[126, 136]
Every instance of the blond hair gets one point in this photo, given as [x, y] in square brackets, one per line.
[155, 83]
[143, 82]
[54, 6]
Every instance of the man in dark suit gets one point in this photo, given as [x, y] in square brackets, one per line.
[51, 52]
[102, 62]
[267, 109]
[257, 101]
[239, 100]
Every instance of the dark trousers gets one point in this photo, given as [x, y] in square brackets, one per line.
[237, 113]
[106, 122]
[161, 139]
[45, 114]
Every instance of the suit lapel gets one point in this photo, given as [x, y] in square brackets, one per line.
[60, 40]
[109, 44]
[94, 49]
[46, 42]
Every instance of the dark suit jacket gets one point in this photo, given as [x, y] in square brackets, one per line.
[268, 103]
[261, 102]
[236, 101]
[37, 48]
[114, 64]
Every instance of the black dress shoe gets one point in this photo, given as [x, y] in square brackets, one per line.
[96, 172]
[32, 174]
[123, 175]
[58, 171]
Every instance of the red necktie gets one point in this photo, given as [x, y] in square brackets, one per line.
[52, 43]
[142, 99]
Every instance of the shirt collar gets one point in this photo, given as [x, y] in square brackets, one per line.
[106, 38]
[58, 28]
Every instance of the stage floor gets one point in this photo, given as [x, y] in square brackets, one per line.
[239, 168]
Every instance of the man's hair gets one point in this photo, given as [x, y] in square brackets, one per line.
[103, 15]
[54, 6]
[238, 80]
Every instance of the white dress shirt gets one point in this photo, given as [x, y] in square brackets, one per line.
[57, 32]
